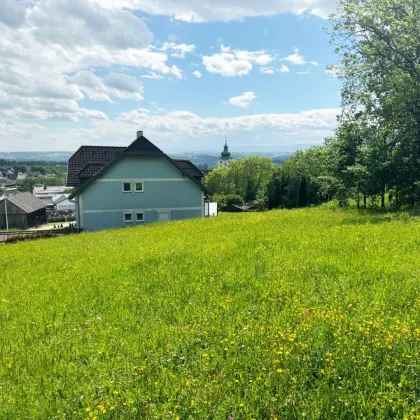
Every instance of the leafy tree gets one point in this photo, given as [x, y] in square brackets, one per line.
[224, 200]
[377, 145]
[247, 178]
[304, 174]
[303, 193]
[29, 183]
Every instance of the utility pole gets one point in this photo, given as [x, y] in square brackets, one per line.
[5, 210]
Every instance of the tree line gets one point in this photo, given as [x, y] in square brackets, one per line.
[373, 157]
[298, 182]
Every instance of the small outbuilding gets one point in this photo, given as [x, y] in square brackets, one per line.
[24, 211]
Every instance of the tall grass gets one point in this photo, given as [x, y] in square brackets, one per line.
[287, 314]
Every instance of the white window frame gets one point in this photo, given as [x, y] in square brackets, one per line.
[137, 213]
[135, 190]
[131, 214]
[131, 187]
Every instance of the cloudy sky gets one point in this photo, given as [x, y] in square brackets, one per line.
[186, 72]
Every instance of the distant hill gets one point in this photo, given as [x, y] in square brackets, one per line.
[37, 156]
[198, 158]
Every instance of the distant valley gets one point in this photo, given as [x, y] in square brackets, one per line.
[209, 159]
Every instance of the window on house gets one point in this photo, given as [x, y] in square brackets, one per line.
[127, 187]
[139, 186]
[139, 217]
[128, 217]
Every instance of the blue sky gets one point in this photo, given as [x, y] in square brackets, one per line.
[95, 72]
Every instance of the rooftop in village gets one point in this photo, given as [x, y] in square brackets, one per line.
[89, 161]
[25, 201]
[45, 190]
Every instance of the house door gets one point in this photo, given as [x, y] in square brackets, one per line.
[164, 216]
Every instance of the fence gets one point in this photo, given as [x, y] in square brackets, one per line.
[210, 209]
[23, 221]
[37, 234]
[18, 221]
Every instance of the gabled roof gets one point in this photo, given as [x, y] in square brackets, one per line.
[60, 198]
[26, 202]
[6, 181]
[90, 155]
[90, 169]
[140, 147]
[189, 167]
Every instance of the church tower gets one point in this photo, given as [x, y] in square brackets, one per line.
[225, 158]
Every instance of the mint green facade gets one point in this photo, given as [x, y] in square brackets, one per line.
[166, 195]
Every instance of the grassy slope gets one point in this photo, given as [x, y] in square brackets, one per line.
[282, 314]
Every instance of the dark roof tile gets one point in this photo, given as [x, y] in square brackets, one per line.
[189, 167]
[142, 146]
[90, 169]
[91, 161]
[98, 155]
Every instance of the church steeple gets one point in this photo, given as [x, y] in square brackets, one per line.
[225, 156]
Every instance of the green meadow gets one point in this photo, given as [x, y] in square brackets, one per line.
[311, 313]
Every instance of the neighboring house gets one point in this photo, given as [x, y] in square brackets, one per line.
[62, 204]
[8, 185]
[124, 186]
[46, 194]
[23, 211]
[6, 182]
[21, 176]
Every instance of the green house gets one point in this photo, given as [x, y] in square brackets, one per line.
[126, 186]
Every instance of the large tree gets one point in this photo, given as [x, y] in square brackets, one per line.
[379, 44]
[247, 178]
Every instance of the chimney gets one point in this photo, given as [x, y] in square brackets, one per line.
[139, 134]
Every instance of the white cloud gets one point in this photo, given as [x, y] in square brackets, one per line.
[333, 71]
[12, 13]
[15, 108]
[177, 50]
[223, 10]
[234, 63]
[173, 37]
[55, 53]
[303, 72]
[86, 24]
[152, 75]
[197, 74]
[124, 86]
[50, 50]
[185, 122]
[296, 58]
[178, 131]
[267, 70]
[271, 70]
[117, 85]
[244, 100]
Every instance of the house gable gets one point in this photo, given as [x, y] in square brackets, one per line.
[164, 186]
[138, 167]
[140, 147]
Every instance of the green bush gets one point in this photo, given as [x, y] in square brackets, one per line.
[225, 200]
